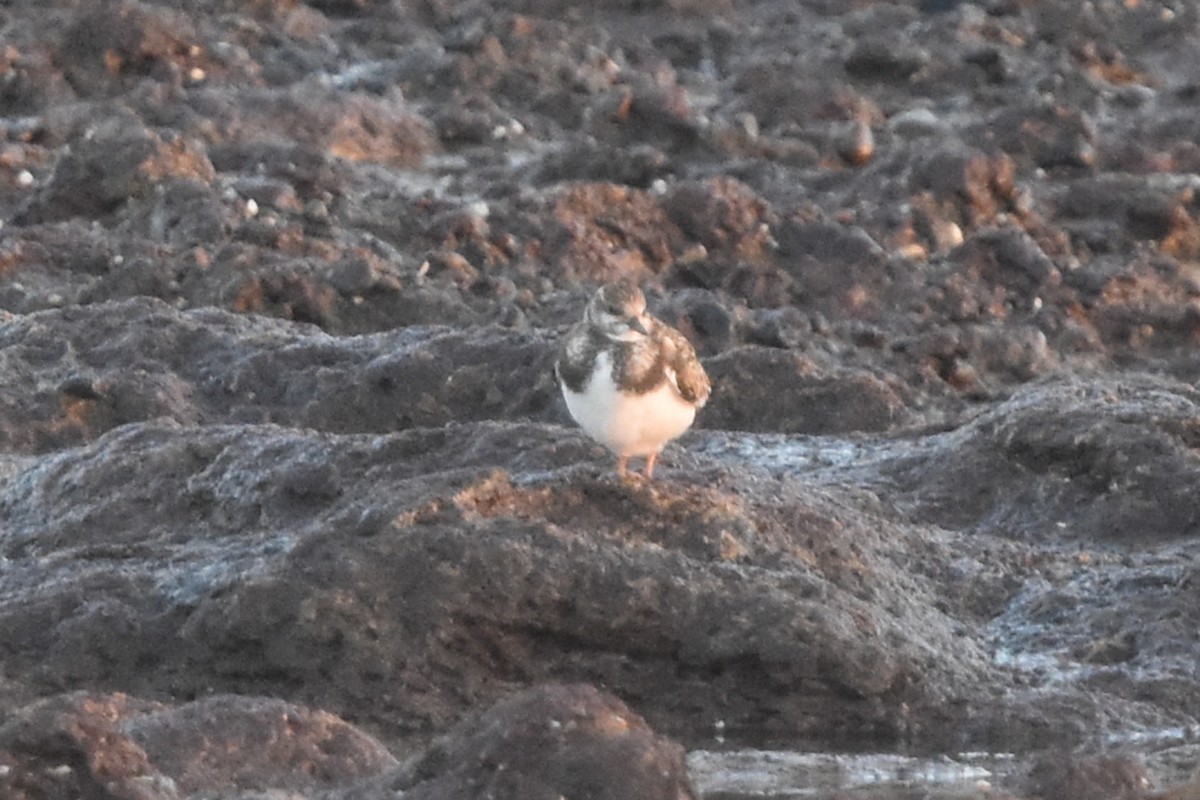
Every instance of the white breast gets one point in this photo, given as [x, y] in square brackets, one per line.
[628, 424]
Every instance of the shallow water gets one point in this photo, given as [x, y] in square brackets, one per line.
[1042, 635]
[731, 775]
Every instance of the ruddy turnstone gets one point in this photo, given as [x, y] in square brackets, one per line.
[632, 382]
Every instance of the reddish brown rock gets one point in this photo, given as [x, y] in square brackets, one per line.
[108, 49]
[226, 743]
[724, 215]
[607, 232]
[117, 161]
[1063, 777]
[117, 747]
[967, 186]
[569, 741]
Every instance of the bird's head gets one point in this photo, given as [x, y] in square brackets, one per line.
[619, 310]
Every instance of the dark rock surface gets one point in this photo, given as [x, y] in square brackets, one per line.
[287, 491]
[549, 742]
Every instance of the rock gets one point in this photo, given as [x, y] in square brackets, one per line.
[268, 193]
[934, 223]
[343, 125]
[759, 389]
[998, 274]
[976, 358]
[916, 123]
[31, 81]
[702, 318]
[723, 214]
[607, 232]
[1133, 208]
[475, 121]
[1068, 450]
[856, 144]
[993, 62]
[107, 49]
[346, 7]
[322, 583]
[885, 58]
[144, 360]
[642, 109]
[280, 289]
[311, 172]
[588, 160]
[758, 283]
[1062, 777]
[181, 214]
[835, 266]
[783, 327]
[549, 741]
[116, 161]
[1008, 257]
[71, 747]
[225, 743]
[1048, 135]
[974, 185]
[115, 746]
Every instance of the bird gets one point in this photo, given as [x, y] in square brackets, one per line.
[632, 382]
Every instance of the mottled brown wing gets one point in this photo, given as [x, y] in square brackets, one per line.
[690, 378]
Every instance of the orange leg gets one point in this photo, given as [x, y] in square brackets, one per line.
[622, 464]
[650, 459]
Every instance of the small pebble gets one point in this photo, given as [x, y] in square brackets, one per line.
[857, 145]
[915, 123]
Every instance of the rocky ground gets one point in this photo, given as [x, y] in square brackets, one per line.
[290, 505]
